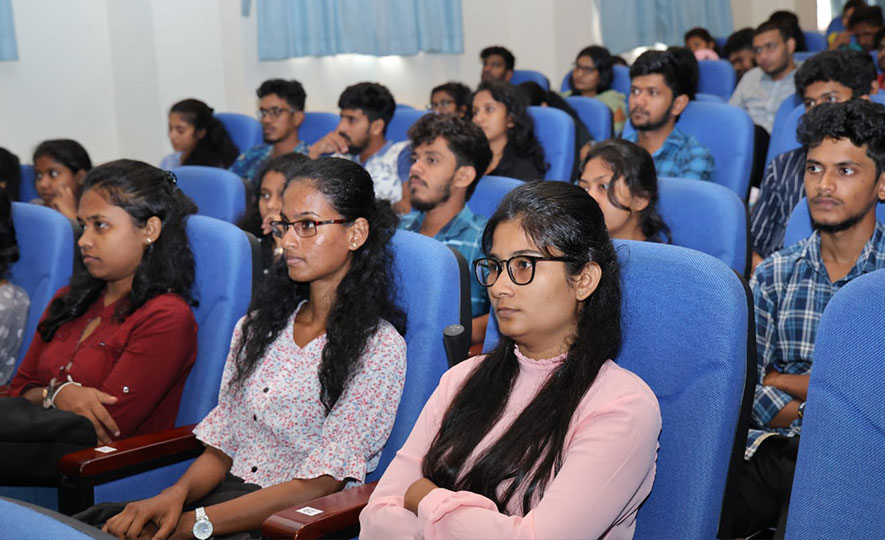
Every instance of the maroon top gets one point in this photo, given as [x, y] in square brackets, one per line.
[143, 361]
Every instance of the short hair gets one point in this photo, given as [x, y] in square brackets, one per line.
[859, 120]
[852, 69]
[852, 4]
[10, 173]
[503, 52]
[460, 92]
[68, 152]
[604, 63]
[790, 21]
[464, 139]
[689, 67]
[769, 25]
[373, 99]
[671, 66]
[866, 14]
[738, 41]
[700, 32]
[289, 91]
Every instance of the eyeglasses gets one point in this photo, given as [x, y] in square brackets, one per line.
[273, 112]
[441, 104]
[304, 228]
[520, 268]
[770, 46]
[584, 69]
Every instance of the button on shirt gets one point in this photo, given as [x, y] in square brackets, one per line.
[681, 156]
[388, 167]
[249, 163]
[463, 233]
[760, 95]
[790, 290]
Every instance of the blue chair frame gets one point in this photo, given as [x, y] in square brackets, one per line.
[525, 75]
[401, 122]
[218, 193]
[555, 131]
[716, 77]
[245, 131]
[316, 125]
[594, 114]
[27, 191]
[489, 193]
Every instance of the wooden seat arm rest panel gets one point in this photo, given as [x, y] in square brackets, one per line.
[338, 511]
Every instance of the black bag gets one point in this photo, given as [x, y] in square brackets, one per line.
[33, 440]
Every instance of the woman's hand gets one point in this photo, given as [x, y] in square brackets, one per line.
[65, 202]
[89, 402]
[157, 516]
[416, 493]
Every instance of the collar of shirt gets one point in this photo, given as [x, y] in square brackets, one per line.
[453, 229]
[811, 256]
[674, 141]
[381, 151]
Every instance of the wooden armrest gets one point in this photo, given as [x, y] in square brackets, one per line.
[130, 452]
[339, 511]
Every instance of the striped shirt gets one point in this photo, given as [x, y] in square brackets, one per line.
[681, 156]
[781, 190]
[790, 290]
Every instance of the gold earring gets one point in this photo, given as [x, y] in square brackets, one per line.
[149, 240]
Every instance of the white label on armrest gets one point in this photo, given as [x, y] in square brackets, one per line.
[105, 449]
[309, 511]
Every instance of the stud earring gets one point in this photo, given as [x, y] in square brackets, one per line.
[149, 240]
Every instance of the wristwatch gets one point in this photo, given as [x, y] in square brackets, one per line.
[202, 527]
[49, 393]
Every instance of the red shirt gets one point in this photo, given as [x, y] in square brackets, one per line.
[143, 361]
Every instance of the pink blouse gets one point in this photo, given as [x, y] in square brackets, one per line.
[607, 472]
[276, 429]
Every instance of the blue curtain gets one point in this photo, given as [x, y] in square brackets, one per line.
[627, 24]
[8, 49]
[291, 28]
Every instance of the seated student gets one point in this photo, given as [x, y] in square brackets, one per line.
[790, 21]
[197, 137]
[827, 77]
[60, 167]
[864, 23]
[879, 40]
[621, 177]
[739, 51]
[449, 155]
[116, 345]
[266, 207]
[366, 110]
[841, 34]
[592, 76]
[548, 405]
[844, 181]
[314, 375]
[699, 38]
[14, 300]
[281, 111]
[451, 98]
[499, 109]
[660, 89]
[497, 64]
[10, 174]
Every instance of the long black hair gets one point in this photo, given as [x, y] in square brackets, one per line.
[365, 295]
[562, 219]
[167, 265]
[8, 245]
[521, 136]
[215, 148]
[604, 63]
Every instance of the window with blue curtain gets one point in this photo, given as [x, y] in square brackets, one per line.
[293, 28]
[627, 24]
[8, 49]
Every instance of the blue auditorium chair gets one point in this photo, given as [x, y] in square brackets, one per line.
[24, 521]
[716, 77]
[401, 122]
[713, 98]
[783, 111]
[815, 41]
[489, 193]
[621, 79]
[27, 191]
[803, 56]
[784, 139]
[839, 483]
[316, 125]
[595, 115]
[878, 97]
[404, 106]
[245, 131]
[799, 224]
[706, 217]
[835, 25]
[525, 75]
[566, 85]
[555, 131]
[218, 193]
[687, 331]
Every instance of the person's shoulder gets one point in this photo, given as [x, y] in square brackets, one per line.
[407, 221]
[14, 294]
[773, 268]
[386, 344]
[167, 304]
[611, 94]
[615, 383]
[690, 143]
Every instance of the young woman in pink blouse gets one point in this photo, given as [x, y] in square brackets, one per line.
[544, 437]
[315, 371]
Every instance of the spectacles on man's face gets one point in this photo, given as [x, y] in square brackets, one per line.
[584, 69]
[305, 228]
[273, 112]
[440, 105]
[520, 268]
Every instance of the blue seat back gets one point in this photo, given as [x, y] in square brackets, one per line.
[815, 41]
[594, 114]
[720, 42]
[878, 97]
[316, 125]
[29, 522]
[555, 131]
[705, 217]
[401, 122]
[727, 132]
[621, 79]
[799, 225]
[27, 191]
[665, 289]
[716, 78]
[565, 86]
[245, 131]
[404, 106]
[46, 257]
[839, 484]
[783, 111]
[489, 193]
[526, 75]
[218, 193]
[429, 282]
[712, 98]
[785, 138]
[835, 25]
[803, 56]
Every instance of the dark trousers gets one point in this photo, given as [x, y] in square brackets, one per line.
[764, 488]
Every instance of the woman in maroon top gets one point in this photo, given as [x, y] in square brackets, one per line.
[117, 344]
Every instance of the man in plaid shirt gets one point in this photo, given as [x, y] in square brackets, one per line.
[844, 181]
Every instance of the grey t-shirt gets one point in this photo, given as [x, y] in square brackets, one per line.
[14, 304]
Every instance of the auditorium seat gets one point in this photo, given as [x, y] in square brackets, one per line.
[401, 122]
[783, 111]
[621, 79]
[716, 77]
[595, 115]
[526, 75]
[489, 193]
[555, 131]
[815, 41]
[218, 193]
[316, 125]
[245, 131]
[27, 191]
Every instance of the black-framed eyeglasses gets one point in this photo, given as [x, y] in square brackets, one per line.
[584, 69]
[305, 228]
[441, 104]
[273, 112]
[521, 268]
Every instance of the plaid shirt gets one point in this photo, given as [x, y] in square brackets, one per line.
[782, 188]
[463, 233]
[681, 156]
[249, 163]
[790, 290]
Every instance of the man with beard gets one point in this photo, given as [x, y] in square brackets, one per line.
[739, 51]
[844, 181]
[449, 155]
[281, 111]
[763, 88]
[497, 64]
[366, 110]
[660, 89]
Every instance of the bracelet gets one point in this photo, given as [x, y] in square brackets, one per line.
[58, 389]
